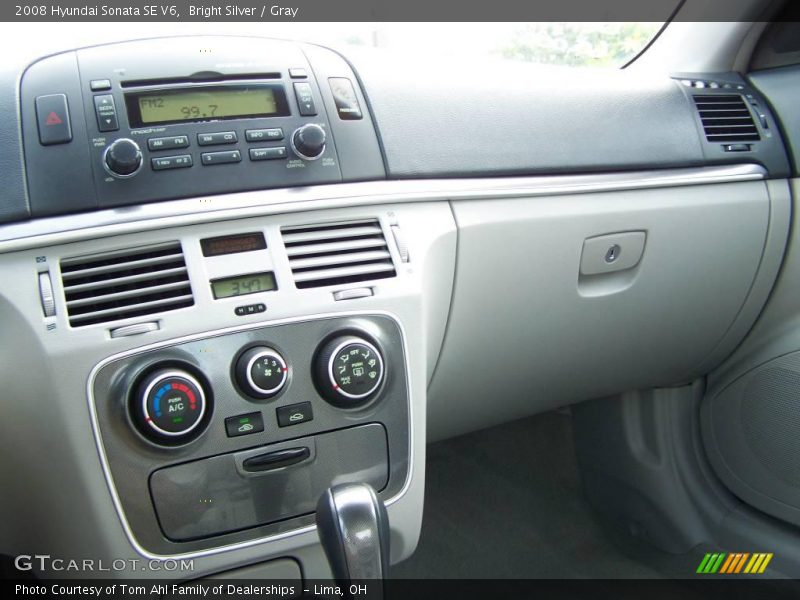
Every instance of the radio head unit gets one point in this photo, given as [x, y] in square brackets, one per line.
[181, 117]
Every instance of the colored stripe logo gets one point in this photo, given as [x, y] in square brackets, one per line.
[734, 563]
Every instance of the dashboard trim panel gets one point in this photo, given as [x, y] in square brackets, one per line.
[178, 213]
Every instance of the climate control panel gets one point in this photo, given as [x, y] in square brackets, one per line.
[175, 419]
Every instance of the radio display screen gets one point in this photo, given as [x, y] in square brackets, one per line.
[205, 103]
[243, 284]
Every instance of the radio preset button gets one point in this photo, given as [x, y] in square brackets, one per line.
[106, 113]
[260, 135]
[267, 153]
[168, 143]
[219, 137]
[163, 163]
[219, 158]
[305, 99]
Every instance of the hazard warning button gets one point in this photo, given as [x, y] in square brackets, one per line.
[52, 116]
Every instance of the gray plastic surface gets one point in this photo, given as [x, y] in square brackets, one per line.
[357, 143]
[59, 176]
[86, 515]
[217, 495]
[781, 87]
[14, 200]
[521, 327]
[464, 119]
[282, 569]
[767, 357]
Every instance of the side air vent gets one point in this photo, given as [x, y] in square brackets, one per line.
[726, 118]
[337, 253]
[125, 283]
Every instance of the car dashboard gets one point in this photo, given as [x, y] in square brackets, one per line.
[239, 270]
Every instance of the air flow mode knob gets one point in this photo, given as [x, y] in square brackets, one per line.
[308, 142]
[348, 371]
[122, 158]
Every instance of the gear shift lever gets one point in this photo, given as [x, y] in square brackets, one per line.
[354, 530]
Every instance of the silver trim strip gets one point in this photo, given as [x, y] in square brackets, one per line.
[158, 215]
[188, 338]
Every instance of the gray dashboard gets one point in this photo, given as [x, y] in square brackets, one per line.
[467, 225]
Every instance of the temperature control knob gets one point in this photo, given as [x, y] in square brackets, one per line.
[348, 371]
[122, 158]
[261, 372]
[169, 406]
[308, 142]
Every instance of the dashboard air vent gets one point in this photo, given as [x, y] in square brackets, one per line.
[125, 283]
[337, 253]
[726, 118]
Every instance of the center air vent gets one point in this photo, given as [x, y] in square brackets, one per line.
[125, 283]
[726, 118]
[337, 253]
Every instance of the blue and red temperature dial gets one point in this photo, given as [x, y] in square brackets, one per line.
[170, 405]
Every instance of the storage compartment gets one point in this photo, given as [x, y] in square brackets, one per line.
[528, 331]
[266, 484]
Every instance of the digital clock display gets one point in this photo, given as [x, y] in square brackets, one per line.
[232, 244]
[242, 285]
[206, 103]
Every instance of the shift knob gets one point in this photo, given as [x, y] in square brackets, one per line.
[354, 530]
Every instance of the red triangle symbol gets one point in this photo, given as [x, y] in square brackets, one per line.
[53, 119]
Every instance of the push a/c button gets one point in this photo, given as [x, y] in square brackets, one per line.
[52, 117]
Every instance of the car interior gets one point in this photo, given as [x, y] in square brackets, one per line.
[288, 310]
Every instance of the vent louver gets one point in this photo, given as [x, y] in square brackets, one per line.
[336, 253]
[125, 283]
[726, 118]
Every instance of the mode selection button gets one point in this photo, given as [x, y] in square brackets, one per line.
[219, 158]
[217, 138]
[106, 113]
[168, 143]
[274, 134]
[305, 99]
[163, 163]
[267, 153]
[294, 414]
[244, 424]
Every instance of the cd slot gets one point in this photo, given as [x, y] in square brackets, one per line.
[200, 77]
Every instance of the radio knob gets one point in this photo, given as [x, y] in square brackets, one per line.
[308, 141]
[122, 158]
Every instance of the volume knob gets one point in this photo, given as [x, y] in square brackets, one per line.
[122, 158]
[308, 142]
